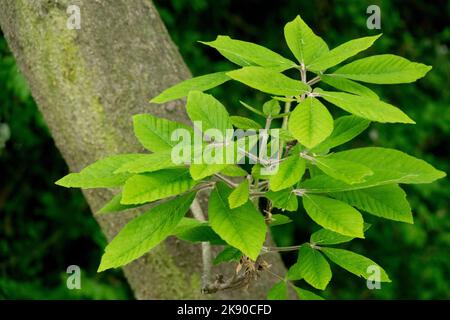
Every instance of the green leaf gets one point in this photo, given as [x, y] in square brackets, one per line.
[306, 295]
[228, 254]
[348, 86]
[269, 81]
[114, 205]
[283, 199]
[155, 133]
[100, 174]
[214, 158]
[182, 89]
[367, 108]
[345, 129]
[243, 227]
[341, 53]
[334, 215]
[279, 219]
[290, 171]
[145, 232]
[353, 262]
[285, 135]
[148, 163]
[303, 42]
[207, 109]
[389, 166]
[186, 224]
[347, 171]
[387, 201]
[278, 292]
[192, 230]
[240, 195]
[383, 69]
[245, 53]
[271, 108]
[327, 237]
[244, 123]
[256, 172]
[147, 187]
[252, 109]
[234, 171]
[310, 123]
[312, 267]
[203, 170]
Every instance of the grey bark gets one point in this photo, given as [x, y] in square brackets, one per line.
[88, 83]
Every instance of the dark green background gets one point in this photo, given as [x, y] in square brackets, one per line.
[44, 228]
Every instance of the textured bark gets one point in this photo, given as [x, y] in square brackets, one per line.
[87, 84]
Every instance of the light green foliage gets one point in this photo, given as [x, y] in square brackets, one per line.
[353, 262]
[155, 133]
[100, 174]
[279, 219]
[227, 255]
[202, 170]
[234, 171]
[242, 227]
[239, 196]
[303, 42]
[145, 232]
[345, 129]
[327, 237]
[341, 53]
[245, 53]
[278, 292]
[271, 108]
[182, 89]
[306, 295]
[290, 172]
[207, 109]
[348, 85]
[388, 166]
[387, 201]
[195, 231]
[284, 199]
[244, 123]
[310, 123]
[114, 205]
[332, 185]
[365, 107]
[347, 171]
[334, 215]
[148, 187]
[312, 267]
[269, 81]
[148, 163]
[383, 69]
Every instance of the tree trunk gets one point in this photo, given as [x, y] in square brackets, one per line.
[88, 83]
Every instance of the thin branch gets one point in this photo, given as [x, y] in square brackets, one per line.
[253, 157]
[202, 187]
[280, 249]
[198, 214]
[262, 151]
[303, 73]
[226, 180]
[287, 109]
[314, 81]
[274, 274]
[257, 194]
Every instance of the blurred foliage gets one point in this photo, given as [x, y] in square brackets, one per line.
[43, 228]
